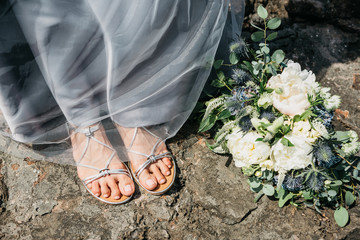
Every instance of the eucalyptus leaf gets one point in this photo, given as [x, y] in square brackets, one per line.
[307, 195]
[257, 36]
[261, 11]
[265, 50]
[274, 23]
[272, 36]
[349, 198]
[268, 190]
[233, 58]
[278, 56]
[218, 63]
[285, 198]
[332, 193]
[258, 196]
[341, 216]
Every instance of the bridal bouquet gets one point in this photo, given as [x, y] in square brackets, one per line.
[276, 122]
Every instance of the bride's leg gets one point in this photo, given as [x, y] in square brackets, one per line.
[143, 142]
[97, 155]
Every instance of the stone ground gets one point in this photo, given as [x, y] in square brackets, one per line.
[210, 199]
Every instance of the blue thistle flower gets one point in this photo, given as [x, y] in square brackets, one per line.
[315, 181]
[268, 115]
[238, 99]
[324, 155]
[238, 46]
[245, 124]
[326, 116]
[292, 184]
[240, 76]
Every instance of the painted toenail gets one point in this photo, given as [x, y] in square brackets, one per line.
[169, 166]
[117, 197]
[168, 173]
[150, 182]
[162, 180]
[97, 194]
[106, 196]
[128, 188]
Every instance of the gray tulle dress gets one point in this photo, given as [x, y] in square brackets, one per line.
[140, 63]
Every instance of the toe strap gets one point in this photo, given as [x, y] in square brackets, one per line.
[151, 159]
[104, 172]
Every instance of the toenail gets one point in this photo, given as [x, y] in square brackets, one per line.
[168, 173]
[106, 196]
[162, 180]
[169, 166]
[97, 194]
[117, 197]
[128, 188]
[150, 182]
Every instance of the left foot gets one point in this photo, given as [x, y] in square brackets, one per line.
[154, 174]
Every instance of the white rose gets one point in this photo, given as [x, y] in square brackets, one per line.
[245, 150]
[288, 158]
[267, 165]
[292, 87]
[303, 129]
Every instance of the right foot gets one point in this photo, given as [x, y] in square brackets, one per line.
[155, 173]
[114, 185]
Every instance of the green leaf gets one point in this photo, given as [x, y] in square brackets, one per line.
[349, 198]
[224, 114]
[218, 63]
[285, 198]
[207, 123]
[306, 114]
[278, 56]
[341, 216]
[332, 193]
[257, 36]
[307, 195]
[259, 28]
[259, 139]
[286, 142]
[233, 58]
[272, 36]
[274, 23]
[221, 76]
[258, 196]
[217, 83]
[265, 50]
[261, 11]
[268, 190]
[297, 118]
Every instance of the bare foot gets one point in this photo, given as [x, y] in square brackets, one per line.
[97, 155]
[154, 174]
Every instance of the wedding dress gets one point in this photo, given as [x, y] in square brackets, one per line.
[140, 63]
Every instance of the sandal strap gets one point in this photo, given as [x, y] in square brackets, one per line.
[89, 133]
[151, 159]
[104, 172]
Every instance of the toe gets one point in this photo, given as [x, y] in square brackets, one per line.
[105, 190]
[115, 191]
[166, 160]
[157, 173]
[147, 180]
[163, 168]
[89, 186]
[126, 185]
[95, 188]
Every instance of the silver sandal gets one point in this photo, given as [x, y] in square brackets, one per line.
[152, 158]
[102, 172]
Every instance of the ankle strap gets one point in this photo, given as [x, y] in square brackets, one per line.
[88, 131]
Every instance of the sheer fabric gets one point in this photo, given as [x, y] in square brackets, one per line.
[141, 63]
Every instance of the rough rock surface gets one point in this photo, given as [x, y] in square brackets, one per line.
[210, 199]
